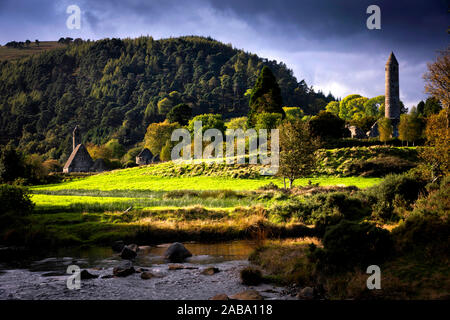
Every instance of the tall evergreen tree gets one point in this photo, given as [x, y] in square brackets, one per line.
[181, 113]
[265, 96]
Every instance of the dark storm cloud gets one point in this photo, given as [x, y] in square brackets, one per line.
[324, 42]
[414, 24]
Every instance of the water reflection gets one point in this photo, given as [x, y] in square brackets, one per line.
[104, 257]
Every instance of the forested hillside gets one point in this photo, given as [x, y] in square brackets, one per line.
[116, 88]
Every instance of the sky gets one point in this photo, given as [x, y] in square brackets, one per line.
[326, 43]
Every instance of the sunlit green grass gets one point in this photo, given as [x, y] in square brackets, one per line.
[59, 203]
[141, 179]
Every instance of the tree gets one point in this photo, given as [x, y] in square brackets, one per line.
[297, 151]
[333, 107]
[437, 153]
[237, 123]
[28, 42]
[165, 151]
[36, 42]
[372, 106]
[12, 164]
[356, 108]
[416, 126]
[432, 106]
[158, 134]
[267, 121]
[164, 106]
[438, 78]
[344, 107]
[421, 108]
[181, 113]
[209, 121]
[116, 149]
[265, 96]
[293, 113]
[326, 125]
[403, 128]
[385, 128]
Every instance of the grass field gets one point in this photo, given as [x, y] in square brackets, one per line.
[166, 203]
[141, 178]
[13, 54]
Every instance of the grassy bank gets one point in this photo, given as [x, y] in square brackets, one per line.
[403, 276]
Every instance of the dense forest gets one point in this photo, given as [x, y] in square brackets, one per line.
[115, 88]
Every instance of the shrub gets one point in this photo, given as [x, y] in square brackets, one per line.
[428, 226]
[15, 205]
[251, 276]
[326, 125]
[269, 186]
[379, 167]
[423, 233]
[350, 244]
[322, 210]
[394, 193]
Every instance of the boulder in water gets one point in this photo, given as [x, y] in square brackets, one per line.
[124, 270]
[176, 266]
[129, 252]
[247, 295]
[147, 275]
[306, 293]
[177, 252]
[85, 275]
[210, 271]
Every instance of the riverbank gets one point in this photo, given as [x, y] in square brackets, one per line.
[404, 276]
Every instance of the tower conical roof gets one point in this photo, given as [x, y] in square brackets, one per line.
[392, 59]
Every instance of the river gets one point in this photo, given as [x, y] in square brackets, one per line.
[46, 277]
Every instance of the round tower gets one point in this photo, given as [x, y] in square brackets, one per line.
[392, 94]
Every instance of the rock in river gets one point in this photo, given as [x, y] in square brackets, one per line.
[247, 295]
[177, 252]
[210, 271]
[306, 293]
[129, 252]
[176, 266]
[124, 270]
[147, 275]
[84, 274]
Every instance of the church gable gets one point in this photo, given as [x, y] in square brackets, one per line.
[79, 160]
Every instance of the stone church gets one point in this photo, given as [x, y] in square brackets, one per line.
[80, 160]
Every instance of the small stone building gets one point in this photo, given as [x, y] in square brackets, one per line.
[144, 157]
[80, 160]
[373, 132]
[356, 132]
